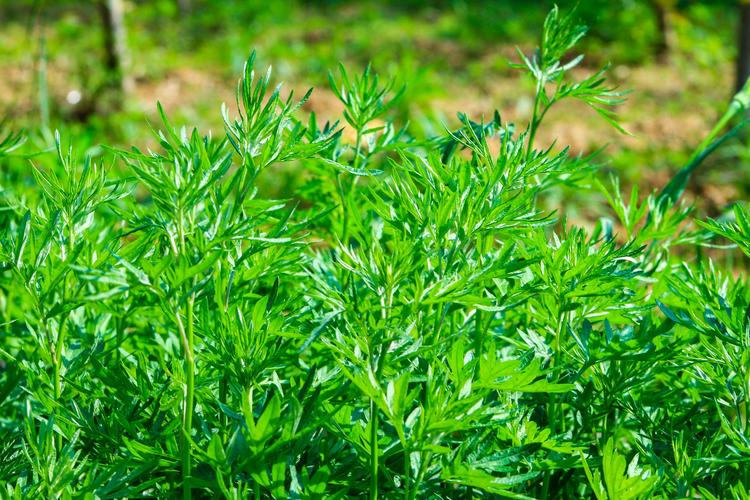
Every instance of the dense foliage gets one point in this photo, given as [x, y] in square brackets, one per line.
[419, 322]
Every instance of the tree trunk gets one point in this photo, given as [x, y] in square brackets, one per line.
[743, 45]
[665, 40]
[116, 57]
[184, 6]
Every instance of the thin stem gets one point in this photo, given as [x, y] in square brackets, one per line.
[189, 368]
[424, 457]
[357, 148]
[187, 414]
[344, 211]
[57, 355]
[223, 397]
[60, 341]
[373, 450]
[479, 334]
[407, 473]
[554, 407]
[535, 118]
[556, 413]
[43, 94]
[118, 338]
[737, 106]
[386, 304]
[58, 391]
[420, 474]
[181, 232]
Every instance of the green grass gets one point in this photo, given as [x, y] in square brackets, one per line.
[421, 320]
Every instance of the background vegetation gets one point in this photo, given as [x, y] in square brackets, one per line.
[677, 56]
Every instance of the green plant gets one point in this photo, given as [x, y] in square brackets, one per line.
[418, 322]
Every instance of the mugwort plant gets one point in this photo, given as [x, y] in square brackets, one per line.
[419, 320]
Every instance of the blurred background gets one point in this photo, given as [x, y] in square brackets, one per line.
[96, 68]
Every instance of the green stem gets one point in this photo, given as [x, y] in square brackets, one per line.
[378, 368]
[357, 148]
[479, 334]
[556, 413]
[407, 473]
[554, 407]
[223, 389]
[60, 341]
[188, 367]
[187, 415]
[373, 451]
[118, 338]
[181, 233]
[535, 119]
[58, 391]
[43, 90]
[420, 474]
[424, 457]
[57, 356]
[344, 212]
[739, 105]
